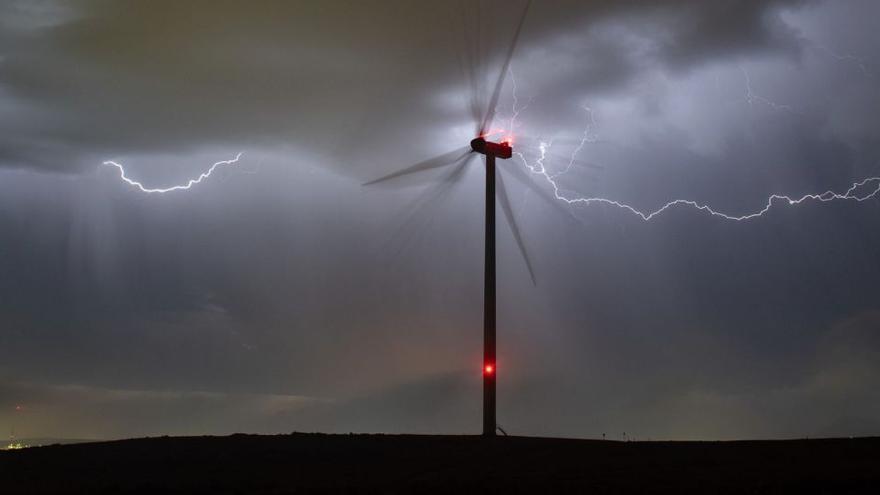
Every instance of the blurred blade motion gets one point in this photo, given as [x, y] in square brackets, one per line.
[524, 178]
[425, 208]
[496, 93]
[504, 201]
[473, 60]
[438, 161]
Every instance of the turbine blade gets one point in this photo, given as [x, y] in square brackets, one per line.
[471, 62]
[523, 178]
[422, 211]
[493, 102]
[458, 173]
[444, 186]
[431, 163]
[504, 201]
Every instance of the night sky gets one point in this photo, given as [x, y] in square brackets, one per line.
[280, 294]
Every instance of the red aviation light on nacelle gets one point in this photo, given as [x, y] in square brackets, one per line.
[499, 150]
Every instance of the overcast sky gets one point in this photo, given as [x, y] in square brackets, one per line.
[280, 294]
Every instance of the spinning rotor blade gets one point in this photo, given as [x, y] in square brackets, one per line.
[493, 102]
[472, 63]
[437, 191]
[431, 163]
[416, 217]
[458, 173]
[440, 189]
[523, 178]
[476, 108]
[504, 201]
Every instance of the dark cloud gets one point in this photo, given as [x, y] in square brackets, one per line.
[146, 77]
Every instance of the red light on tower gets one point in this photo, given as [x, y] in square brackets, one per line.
[489, 369]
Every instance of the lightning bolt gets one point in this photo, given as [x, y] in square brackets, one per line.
[588, 136]
[845, 57]
[858, 191]
[516, 108]
[182, 187]
[862, 190]
[752, 97]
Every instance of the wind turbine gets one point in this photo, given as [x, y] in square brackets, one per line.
[461, 157]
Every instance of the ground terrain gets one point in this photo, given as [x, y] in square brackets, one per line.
[316, 463]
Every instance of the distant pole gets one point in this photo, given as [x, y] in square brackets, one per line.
[490, 367]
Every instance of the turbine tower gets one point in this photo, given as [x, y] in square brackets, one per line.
[491, 150]
[503, 151]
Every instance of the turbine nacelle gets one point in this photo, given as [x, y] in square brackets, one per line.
[500, 150]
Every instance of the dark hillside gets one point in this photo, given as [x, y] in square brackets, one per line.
[309, 463]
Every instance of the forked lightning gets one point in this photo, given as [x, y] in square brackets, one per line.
[181, 187]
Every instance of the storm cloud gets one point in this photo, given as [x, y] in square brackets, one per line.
[102, 78]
